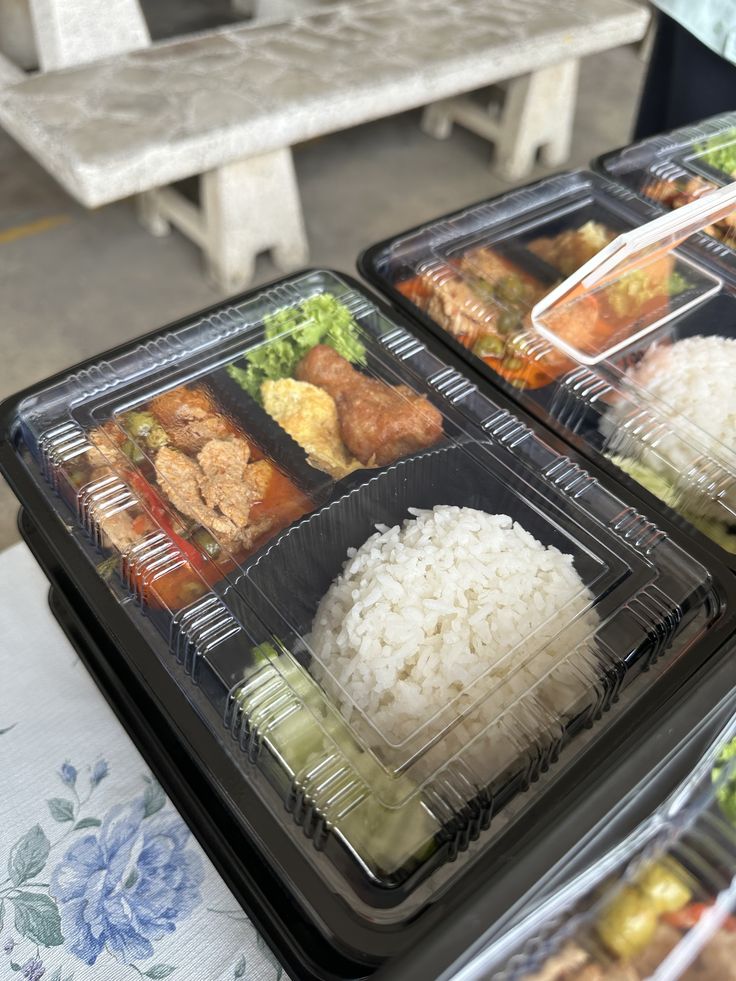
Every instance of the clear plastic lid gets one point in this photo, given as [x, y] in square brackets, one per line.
[383, 592]
[660, 905]
[575, 314]
[624, 340]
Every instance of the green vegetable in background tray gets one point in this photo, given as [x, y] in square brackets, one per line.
[726, 792]
[662, 488]
[720, 152]
[291, 333]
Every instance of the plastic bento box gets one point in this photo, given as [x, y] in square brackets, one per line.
[388, 616]
[660, 905]
[675, 168]
[641, 381]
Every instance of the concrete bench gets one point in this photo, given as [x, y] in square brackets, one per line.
[228, 105]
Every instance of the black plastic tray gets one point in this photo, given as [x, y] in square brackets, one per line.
[540, 403]
[188, 760]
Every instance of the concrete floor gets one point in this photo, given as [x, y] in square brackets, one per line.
[74, 282]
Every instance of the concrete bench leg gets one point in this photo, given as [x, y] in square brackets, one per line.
[246, 207]
[152, 213]
[538, 112]
[75, 32]
[249, 207]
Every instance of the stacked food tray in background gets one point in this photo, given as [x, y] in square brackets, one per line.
[637, 374]
[661, 904]
[389, 604]
[678, 167]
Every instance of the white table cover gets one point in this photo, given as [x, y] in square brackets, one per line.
[99, 876]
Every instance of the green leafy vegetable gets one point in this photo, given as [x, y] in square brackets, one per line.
[726, 792]
[677, 284]
[291, 333]
[720, 152]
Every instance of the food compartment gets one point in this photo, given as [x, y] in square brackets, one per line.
[180, 486]
[369, 710]
[514, 708]
[478, 275]
[143, 488]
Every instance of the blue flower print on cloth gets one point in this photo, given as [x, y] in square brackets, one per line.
[100, 879]
[126, 885]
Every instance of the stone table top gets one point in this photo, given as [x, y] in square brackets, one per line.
[115, 127]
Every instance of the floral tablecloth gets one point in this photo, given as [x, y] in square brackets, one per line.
[99, 876]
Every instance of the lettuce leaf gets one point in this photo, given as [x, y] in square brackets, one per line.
[720, 152]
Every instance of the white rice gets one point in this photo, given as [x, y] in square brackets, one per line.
[421, 611]
[695, 377]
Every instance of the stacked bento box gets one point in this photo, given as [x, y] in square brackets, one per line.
[398, 596]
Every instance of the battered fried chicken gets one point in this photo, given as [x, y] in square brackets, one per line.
[378, 423]
[190, 418]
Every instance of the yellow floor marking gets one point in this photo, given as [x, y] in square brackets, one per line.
[8, 235]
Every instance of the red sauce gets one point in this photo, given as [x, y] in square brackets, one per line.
[283, 502]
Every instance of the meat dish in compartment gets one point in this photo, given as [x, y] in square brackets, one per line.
[196, 477]
[638, 928]
[484, 301]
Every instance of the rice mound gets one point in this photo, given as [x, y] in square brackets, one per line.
[695, 377]
[422, 610]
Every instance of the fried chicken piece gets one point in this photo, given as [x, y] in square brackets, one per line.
[180, 479]
[190, 418]
[378, 423]
[488, 264]
[494, 271]
[231, 484]
[457, 309]
[309, 416]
